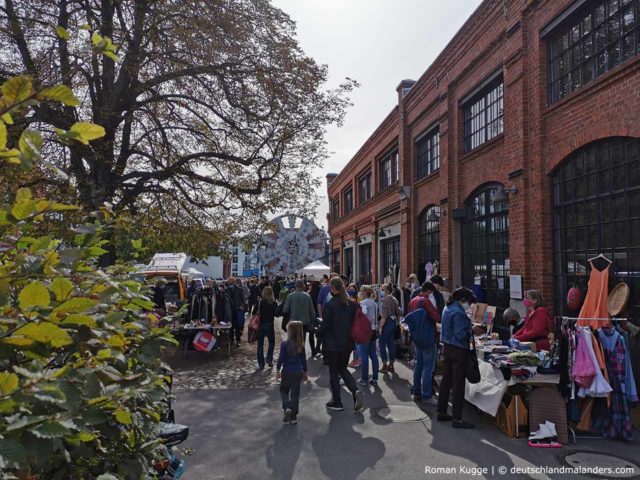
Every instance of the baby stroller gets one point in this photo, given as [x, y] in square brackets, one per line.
[171, 434]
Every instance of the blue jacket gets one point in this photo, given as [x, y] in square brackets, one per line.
[456, 326]
[291, 362]
[422, 328]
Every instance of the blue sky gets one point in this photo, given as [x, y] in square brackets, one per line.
[378, 43]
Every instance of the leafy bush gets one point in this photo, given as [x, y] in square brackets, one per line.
[81, 382]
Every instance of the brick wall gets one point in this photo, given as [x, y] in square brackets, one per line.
[536, 139]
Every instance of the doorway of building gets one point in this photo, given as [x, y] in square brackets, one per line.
[485, 247]
[364, 264]
[390, 258]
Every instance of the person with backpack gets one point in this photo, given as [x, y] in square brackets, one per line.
[421, 321]
[292, 362]
[368, 350]
[266, 309]
[390, 315]
[338, 316]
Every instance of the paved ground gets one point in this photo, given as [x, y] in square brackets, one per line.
[237, 431]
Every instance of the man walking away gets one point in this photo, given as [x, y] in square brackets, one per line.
[299, 306]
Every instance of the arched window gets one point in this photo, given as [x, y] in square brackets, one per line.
[485, 247]
[429, 235]
[596, 209]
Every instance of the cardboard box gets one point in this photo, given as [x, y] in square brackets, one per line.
[506, 417]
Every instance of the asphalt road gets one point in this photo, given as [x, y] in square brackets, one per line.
[238, 434]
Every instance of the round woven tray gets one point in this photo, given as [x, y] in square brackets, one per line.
[618, 299]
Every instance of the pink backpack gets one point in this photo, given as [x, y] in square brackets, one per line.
[361, 327]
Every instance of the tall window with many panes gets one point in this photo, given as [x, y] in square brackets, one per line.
[389, 173]
[599, 37]
[348, 200]
[335, 210]
[428, 153]
[483, 115]
[364, 188]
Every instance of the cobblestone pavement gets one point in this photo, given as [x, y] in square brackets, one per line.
[214, 371]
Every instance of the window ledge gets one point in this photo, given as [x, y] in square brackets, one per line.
[485, 146]
[428, 178]
[595, 85]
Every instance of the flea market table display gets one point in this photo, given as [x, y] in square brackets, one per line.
[203, 336]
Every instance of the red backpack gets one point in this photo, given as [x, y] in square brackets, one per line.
[361, 327]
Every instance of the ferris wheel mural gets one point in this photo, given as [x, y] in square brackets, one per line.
[292, 245]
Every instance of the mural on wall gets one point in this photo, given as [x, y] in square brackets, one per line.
[294, 243]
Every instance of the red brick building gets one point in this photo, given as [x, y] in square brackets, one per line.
[517, 152]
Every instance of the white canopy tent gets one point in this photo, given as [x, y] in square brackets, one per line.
[314, 269]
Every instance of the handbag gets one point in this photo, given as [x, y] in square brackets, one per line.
[254, 326]
[473, 368]
[204, 341]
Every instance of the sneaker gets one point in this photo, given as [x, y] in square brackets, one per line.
[391, 368]
[417, 398]
[270, 365]
[353, 364]
[374, 383]
[384, 369]
[335, 406]
[294, 419]
[357, 401]
[430, 401]
[444, 417]
[463, 424]
[362, 382]
[287, 415]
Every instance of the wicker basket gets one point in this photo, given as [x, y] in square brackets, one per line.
[618, 299]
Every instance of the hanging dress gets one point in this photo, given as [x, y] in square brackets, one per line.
[595, 303]
[616, 422]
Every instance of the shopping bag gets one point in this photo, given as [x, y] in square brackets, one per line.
[473, 368]
[204, 341]
[252, 331]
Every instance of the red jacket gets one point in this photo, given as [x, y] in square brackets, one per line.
[536, 328]
[422, 302]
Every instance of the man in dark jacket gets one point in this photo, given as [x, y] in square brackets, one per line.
[337, 316]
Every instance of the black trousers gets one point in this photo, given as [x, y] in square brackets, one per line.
[338, 368]
[290, 390]
[308, 328]
[453, 379]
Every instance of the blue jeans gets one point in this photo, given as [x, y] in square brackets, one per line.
[423, 371]
[368, 351]
[266, 331]
[387, 342]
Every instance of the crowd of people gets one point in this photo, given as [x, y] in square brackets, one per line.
[417, 319]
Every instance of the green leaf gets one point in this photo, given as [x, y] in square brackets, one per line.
[76, 305]
[85, 132]
[112, 56]
[6, 118]
[17, 89]
[96, 251]
[60, 93]
[86, 26]
[79, 319]
[62, 32]
[34, 295]
[3, 136]
[12, 453]
[136, 243]
[30, 142]
[46, 333]
[96, 38]
[122, 416]
[108, 476]
[8, 383]
[61, 288]
[51, 429]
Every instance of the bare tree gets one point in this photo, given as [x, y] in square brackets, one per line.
[210, 107]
